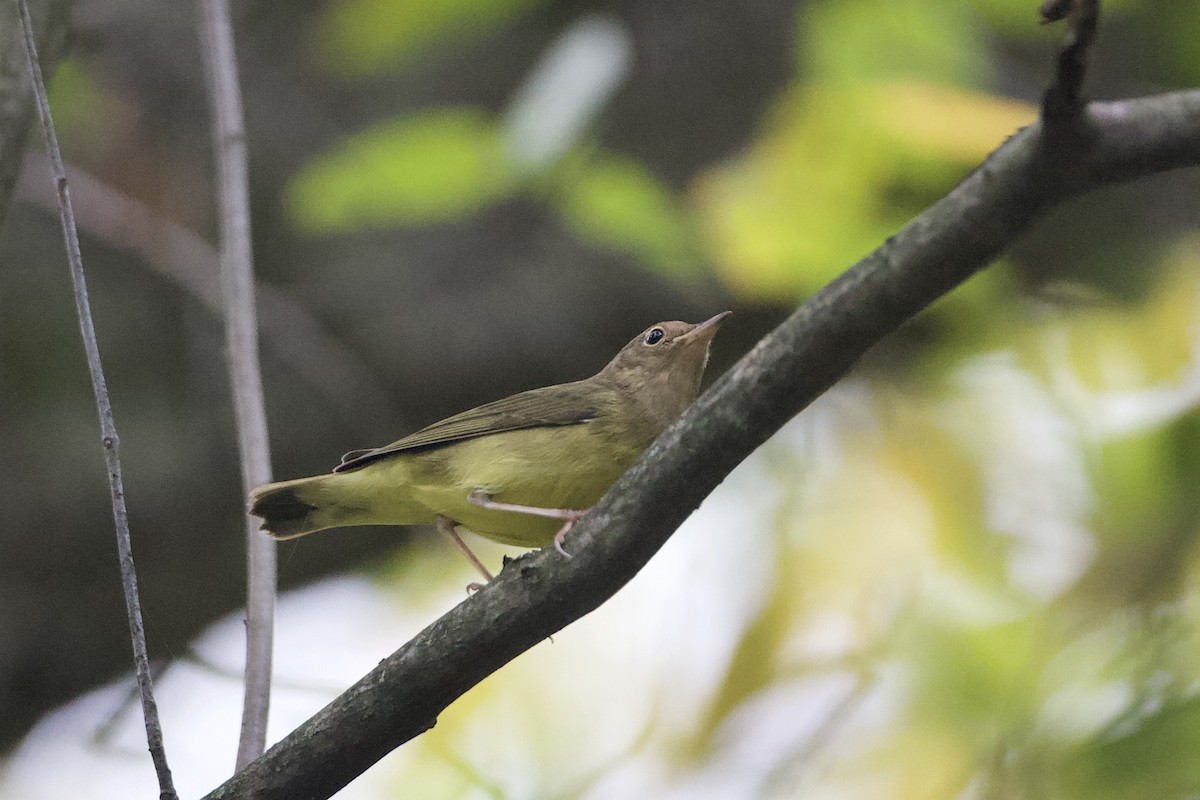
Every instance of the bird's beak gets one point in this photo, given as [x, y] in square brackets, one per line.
[707, 329]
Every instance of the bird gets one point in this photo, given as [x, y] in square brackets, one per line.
[520, 470]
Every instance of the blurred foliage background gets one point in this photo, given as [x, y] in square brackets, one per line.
[970, 571]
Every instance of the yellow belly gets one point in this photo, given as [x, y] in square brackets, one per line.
[564, 467]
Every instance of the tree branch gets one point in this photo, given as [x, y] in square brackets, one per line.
[1064, 98]
[108, 426]
[241, 331]
[540, 593]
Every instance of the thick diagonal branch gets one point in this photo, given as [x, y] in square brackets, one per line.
[541, 592]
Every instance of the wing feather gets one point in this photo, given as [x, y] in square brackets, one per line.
[551, 406]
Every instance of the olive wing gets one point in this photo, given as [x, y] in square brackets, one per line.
[552, 406]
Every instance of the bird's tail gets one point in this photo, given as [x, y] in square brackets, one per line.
[294, 508]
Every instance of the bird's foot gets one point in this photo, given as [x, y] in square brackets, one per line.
[562, 532]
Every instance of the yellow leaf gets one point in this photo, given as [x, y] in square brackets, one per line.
[952, 123]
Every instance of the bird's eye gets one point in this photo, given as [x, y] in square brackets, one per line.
[654, 336]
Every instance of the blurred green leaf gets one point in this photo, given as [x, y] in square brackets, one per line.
[614, 201]
[854, 40]
[1177, 22]
[75, 97]
[1134, 484]
[978, 678]
[944, 124]
[876, 132]
[366, 36]
[802, 202]
[89, 117]
[835, 171]
[430, 167]
[1157, 760]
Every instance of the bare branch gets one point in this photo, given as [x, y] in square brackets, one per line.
[540, 593]
[108, 427]
[1064, 99]
[241, 330]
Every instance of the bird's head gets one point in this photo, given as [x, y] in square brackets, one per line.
[662, 366]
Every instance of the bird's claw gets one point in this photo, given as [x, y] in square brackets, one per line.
[564, 530]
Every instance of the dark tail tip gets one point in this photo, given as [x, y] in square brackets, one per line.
[283, 513]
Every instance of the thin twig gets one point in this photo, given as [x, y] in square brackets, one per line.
[1064, 99]
[108, 427]
[241, 330]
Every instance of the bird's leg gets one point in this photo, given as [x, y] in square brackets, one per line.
[446, 526]
[569, 515]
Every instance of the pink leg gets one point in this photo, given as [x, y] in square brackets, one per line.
[569, 515]
[446, 526]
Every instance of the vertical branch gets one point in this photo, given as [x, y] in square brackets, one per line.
[108, 427]
[237, 278]
[1064, 98]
